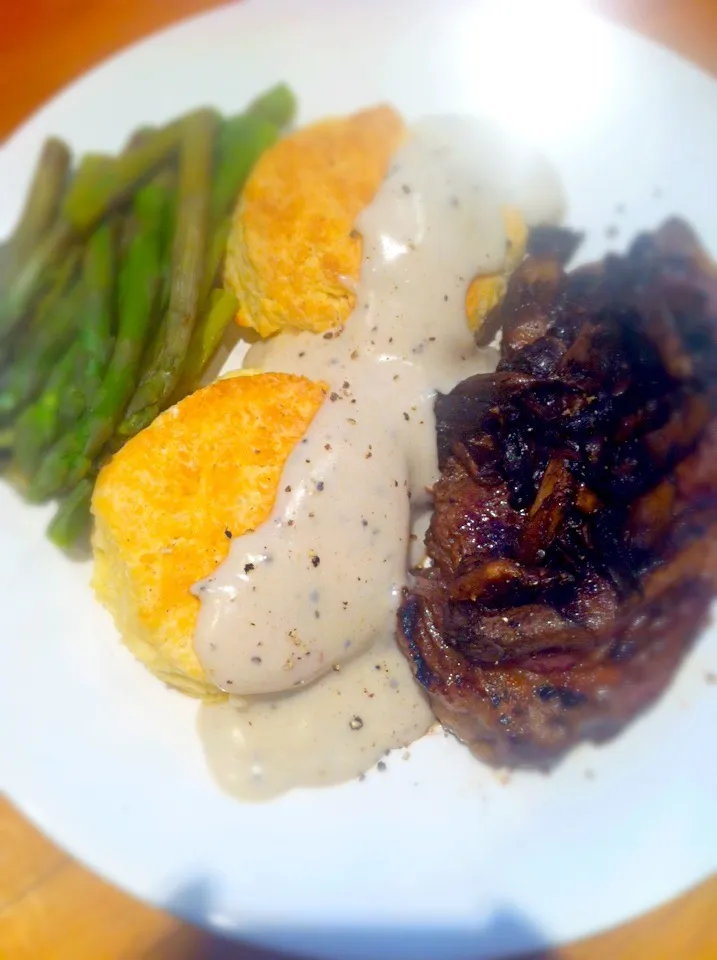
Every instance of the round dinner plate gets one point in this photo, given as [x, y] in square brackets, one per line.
[436, 856]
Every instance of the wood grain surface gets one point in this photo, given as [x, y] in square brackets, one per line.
[51, 908]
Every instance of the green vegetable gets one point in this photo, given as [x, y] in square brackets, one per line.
[214, 259]
[43, 200]
[108, 306]
[189, 249]
[95, 339]
[278, 105]
[18, 294]
[130, 169]
[139, 285]
[138, 138]
[39, 424]
[84, 207]
[95, 171]
[240, 143]
[72, 519]
[207, 336]
[51, 329]
[97, 320]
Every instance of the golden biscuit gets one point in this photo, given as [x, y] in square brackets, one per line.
[168, 504]
[292, 243]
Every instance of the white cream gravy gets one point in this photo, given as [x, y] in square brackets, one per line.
[317, 586]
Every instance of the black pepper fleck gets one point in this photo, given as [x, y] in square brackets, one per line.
[320, 485]
[248, 567]
[228, 534]
[406, 189]
[355, 723]
[315, 561]
[256, 659]
[381, 766]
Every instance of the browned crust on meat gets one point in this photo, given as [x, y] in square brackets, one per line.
[574, 534]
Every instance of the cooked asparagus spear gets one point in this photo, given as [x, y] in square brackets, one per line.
[51, 329]
[85, 208]
[97, 320]
[278, 105]
[241, 142]
[17, 295]
[95, 348]
[83, 392]
[207, 337]
[95, 171]
[139, 284]
[39, 424]
[73, 516]
[43, 200]
[160, 378]
[131, 169]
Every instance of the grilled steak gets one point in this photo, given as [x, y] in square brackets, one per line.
[573, 541]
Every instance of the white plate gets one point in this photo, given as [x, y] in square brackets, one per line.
[434, 857]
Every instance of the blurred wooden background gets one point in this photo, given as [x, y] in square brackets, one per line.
[51, 908]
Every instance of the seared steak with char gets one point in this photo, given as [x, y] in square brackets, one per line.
[573, 543]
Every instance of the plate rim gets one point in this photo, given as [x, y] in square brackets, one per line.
[30, 807]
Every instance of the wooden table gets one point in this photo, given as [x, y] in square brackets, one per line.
[50, 907]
